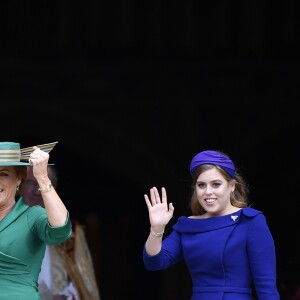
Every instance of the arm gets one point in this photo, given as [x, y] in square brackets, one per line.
[262, 257]
[55, 208]
[159, 215]
[170, 254]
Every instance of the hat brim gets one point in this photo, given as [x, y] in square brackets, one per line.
[16, 163]
[25, 155]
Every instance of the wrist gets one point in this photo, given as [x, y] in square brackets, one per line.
[46, 188]
[156, 233]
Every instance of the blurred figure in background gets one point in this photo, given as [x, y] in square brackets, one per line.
[67, 271]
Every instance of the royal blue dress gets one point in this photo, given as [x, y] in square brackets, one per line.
[226, 256]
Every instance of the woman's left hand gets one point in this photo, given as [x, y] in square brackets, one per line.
[39, 161]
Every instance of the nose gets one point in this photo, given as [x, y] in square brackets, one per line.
[208, 190]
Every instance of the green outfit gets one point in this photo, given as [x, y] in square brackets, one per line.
[24, 233]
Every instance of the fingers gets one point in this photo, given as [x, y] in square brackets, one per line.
[163, 195]
[147, 201]
[38, 156]
[171, 207]
[155, 197]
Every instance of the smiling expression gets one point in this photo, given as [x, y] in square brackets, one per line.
[213, 193]
[8, 185]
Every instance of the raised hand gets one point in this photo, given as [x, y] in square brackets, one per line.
[39, 160]
[160, 212]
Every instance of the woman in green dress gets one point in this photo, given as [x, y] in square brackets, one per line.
[25, 230]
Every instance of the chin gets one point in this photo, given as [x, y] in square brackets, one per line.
[212, 209]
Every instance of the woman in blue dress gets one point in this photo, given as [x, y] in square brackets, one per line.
[227, 246]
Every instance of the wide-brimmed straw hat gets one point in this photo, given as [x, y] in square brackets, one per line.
[12, 155]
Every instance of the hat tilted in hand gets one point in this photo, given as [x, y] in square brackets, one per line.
[11, 154]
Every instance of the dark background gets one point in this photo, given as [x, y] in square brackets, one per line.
[132, 91]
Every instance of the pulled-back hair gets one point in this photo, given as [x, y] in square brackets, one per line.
[21, 174]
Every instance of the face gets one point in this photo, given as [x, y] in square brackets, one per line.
[213, 193]
[8, 185]
[30, 190]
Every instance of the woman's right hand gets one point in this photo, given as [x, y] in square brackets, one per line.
[160, 212]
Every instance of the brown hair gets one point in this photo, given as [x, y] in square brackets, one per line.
[238, 198]
[21, 174]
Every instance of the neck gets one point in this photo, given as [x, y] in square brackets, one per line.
[5, 209]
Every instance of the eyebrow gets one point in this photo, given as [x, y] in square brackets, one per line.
[199, 181]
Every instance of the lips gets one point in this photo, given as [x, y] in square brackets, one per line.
[210, 200]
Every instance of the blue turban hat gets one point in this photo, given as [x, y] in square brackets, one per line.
[213, 158]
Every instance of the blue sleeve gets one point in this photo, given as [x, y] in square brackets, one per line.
[170, 254]
[262, 258]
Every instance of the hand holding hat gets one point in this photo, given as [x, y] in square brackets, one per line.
[12, 155]
[39, 160]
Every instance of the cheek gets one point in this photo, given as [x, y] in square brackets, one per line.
[199, 192]
[225, 192]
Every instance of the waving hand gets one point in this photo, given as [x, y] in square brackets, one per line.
[160, 212]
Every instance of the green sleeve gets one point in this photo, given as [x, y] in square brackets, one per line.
[39, 225]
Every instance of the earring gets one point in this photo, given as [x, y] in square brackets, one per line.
[17, 187]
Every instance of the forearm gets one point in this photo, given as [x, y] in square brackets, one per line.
[55, 208]
[154, 241]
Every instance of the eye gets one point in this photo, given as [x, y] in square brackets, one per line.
[201, 185]
[216, 184]
[3, 174]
